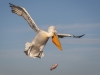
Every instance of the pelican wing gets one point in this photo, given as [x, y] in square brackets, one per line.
[22, 12]
[69, 35]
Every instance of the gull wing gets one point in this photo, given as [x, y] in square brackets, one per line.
[22, 12]
[69, 35]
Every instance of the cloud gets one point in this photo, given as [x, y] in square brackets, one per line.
[2, 74]
[77, 26]
[69, 40]
[14, 53]
[64, 27]
[16, 30]
[81, 41]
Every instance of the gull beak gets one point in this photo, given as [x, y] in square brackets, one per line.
[56, 41]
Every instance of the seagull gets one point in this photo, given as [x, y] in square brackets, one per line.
[34, 49]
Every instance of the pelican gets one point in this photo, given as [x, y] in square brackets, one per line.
[35, 48]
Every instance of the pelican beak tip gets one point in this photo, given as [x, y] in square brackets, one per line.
[56, 41]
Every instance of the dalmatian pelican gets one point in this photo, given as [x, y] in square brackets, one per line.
[35, 48]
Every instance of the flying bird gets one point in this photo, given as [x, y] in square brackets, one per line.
[53, 66]
[34, 49]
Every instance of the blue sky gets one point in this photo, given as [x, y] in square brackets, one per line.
[79, 56]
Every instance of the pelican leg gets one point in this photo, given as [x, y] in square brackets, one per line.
[26, 51]
[32, 51]
[41, 54]
[28, 47]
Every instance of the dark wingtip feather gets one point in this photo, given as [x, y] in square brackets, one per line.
[82, 35]
[78, 36]
[11, 5]
[26, 52]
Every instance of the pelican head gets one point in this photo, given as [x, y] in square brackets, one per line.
[52, 30]
[53, 33]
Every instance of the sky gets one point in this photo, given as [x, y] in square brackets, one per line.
[79, 56]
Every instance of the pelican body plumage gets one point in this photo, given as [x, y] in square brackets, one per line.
[35, 48]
